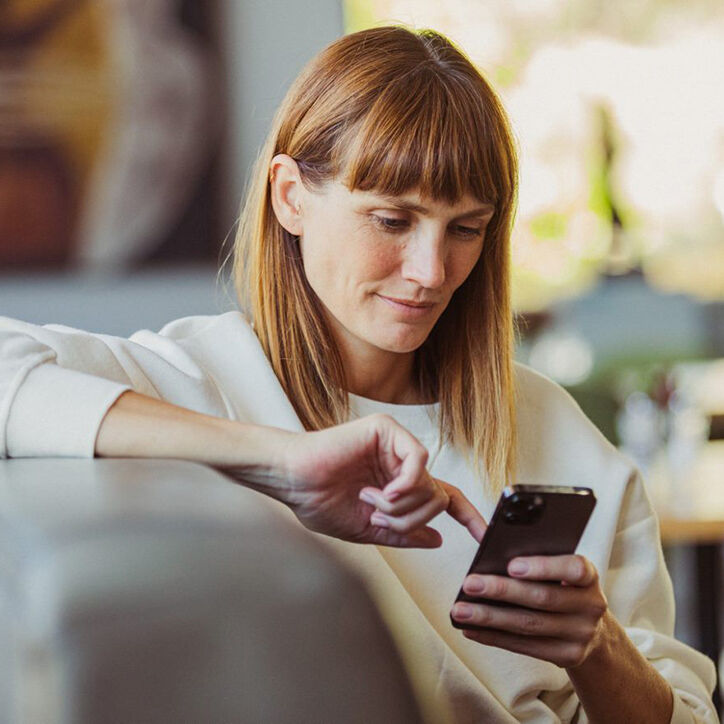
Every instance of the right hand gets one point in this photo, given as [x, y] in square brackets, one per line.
[327, 471]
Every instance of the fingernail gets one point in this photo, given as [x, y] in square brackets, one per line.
[367, 498]
[463, 610]
[475, 587]
[518, 568]
[379, 520]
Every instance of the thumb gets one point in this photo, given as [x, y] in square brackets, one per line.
[463, 511]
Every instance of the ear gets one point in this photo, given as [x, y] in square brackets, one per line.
[286, 192]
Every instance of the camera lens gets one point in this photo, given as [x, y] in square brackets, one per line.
[523, 508]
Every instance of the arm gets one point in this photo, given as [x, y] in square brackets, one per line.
[332, 479]
[70, 393]
[616, 683]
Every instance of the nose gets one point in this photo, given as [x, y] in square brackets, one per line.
[424, 260]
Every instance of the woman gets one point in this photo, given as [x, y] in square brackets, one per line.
[373, 260]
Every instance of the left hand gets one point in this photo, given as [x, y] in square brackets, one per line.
[558, 612]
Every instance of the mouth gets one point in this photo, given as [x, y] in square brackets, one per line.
[409, 302]
[406, 309]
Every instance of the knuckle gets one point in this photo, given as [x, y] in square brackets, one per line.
[404, 526]
[530, 623]
[573, 655]
[446, 501]
[484, 616]
[498, 587]
[580, 570]
[581, 632]
[385, 506]
[542, 597]
[588, 632]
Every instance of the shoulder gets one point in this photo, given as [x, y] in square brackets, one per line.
[539, 399]
[555, 438]
[205, 324]
[205, 333]
[558, 445]
[193, 342]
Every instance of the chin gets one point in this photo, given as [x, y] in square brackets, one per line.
[400, 343]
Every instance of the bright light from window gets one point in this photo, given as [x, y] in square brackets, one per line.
[646, 78]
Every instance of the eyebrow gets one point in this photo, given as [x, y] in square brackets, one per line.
[412, 206]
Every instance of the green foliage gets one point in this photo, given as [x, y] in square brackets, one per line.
[550, 225]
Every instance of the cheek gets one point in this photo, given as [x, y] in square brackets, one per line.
[374, 261]
[462, 266]
[344, 270]
[354, 265]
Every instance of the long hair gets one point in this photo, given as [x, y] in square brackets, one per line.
[392, 110]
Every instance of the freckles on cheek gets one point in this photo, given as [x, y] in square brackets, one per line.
[376, 262]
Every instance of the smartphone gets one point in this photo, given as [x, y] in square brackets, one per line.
[530, 520]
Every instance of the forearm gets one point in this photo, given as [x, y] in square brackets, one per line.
[616, 683]
[141, 426]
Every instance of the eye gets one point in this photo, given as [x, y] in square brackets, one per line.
[468, 231]
[389, 224]
[394, 225]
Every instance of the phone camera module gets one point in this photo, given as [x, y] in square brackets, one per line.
[523, 509]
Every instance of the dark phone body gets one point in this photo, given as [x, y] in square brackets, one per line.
[530, 520]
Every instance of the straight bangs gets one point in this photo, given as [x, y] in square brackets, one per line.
[424, 135]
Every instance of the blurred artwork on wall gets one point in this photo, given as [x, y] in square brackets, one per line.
[108, 124]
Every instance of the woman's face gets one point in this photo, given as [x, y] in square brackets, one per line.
[361, 251]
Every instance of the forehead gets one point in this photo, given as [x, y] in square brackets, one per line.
[412, 200]
[420, 203]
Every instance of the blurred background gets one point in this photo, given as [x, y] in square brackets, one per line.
[128, 128]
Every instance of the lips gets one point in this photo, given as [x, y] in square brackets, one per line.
[409, 302]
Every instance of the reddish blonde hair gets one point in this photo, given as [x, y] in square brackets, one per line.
[392, 110]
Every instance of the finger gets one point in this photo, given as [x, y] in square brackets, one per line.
[409, 501]
[462, 510]
[414, 458]
[409, 521]
[523, 621]
[421, 538]
[540, 596]
[574, 570]
[565, 654]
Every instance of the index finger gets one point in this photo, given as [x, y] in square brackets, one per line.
[462, 510]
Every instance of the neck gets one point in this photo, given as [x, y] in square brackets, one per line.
[383, 377]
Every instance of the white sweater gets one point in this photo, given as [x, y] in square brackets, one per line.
[57, 383]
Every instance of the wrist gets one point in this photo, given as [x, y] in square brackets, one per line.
[603, 647]
[254, 455]
[615, 682]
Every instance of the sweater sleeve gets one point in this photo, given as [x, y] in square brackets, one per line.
[640, 593]
[57, 383]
